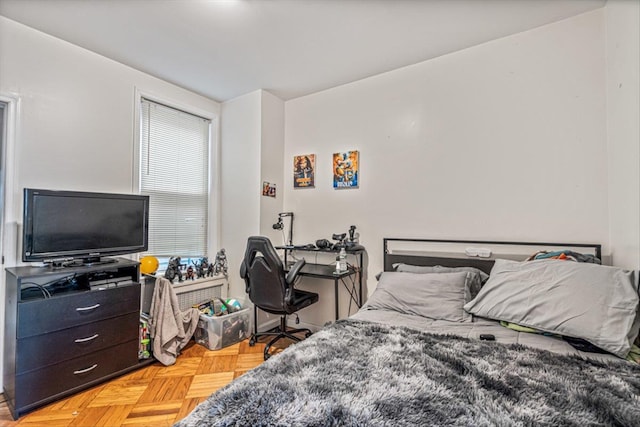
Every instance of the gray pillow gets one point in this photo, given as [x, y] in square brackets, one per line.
[589, 301]
[436, 296]
[478, 277]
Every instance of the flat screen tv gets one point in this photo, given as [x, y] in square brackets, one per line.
[82, 227]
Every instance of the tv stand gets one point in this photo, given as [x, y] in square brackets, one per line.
[68, 329]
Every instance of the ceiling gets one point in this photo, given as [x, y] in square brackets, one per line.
[226, 48]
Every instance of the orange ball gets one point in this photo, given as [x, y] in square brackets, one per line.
[149, 265]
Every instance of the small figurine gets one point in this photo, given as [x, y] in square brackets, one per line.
[210, 270]
[173, 269]
[201, 267]
[220, 265]
[190, 273]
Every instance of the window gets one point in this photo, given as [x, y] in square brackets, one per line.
[174, 172]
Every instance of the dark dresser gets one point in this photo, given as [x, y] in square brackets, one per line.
[67, 329]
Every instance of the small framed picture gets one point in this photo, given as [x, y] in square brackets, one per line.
[268, 189]
[345, 169]
[304, 168]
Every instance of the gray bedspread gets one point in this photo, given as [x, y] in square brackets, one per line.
[361, 373]
[475, 328]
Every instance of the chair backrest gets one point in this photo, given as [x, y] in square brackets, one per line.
[264, 276]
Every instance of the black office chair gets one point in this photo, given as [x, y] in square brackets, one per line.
[270, 288]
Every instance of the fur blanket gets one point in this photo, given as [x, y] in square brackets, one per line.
[365, 374]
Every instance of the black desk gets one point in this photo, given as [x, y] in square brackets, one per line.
[327, 271]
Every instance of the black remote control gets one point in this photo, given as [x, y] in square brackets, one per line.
[487, 337]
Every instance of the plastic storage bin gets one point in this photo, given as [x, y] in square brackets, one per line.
[216, 332]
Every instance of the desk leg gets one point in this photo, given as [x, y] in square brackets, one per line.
[360, 278]
[337, 283]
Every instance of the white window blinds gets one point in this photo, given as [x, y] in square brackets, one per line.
[175, 174]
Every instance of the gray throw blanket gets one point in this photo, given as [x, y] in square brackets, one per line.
[170, 327]
[366, 374]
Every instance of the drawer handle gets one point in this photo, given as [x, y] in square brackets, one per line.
[93, 307]
[82, 371]
[93, 337]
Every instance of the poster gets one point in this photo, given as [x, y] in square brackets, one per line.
[345, 169]
[304, 167]
[268, 189]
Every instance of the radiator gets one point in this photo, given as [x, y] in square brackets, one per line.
[189, 292]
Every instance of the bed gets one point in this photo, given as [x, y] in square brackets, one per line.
[450, 337]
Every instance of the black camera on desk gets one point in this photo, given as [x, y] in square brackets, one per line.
[328, 246]
[324, 244]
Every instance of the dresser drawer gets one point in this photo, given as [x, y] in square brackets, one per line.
[42, 350]
[54, 314]
[35, 386]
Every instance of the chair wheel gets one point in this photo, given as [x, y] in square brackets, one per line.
[308, 334]
[267, 356]
[252, 342]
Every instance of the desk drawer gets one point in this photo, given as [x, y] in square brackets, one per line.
[54, 314]
[42, 350]
[53, 380]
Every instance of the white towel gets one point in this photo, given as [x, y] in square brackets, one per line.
[169, 327]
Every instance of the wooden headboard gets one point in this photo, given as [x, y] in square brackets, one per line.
[451, 253]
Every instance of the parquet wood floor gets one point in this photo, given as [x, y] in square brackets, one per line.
[155, 395]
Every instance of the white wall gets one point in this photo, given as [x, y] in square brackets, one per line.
[77, 107]
[623, 128]
[240, 162]
[271, 164]
[75, 121]
[253, 133]
[503, 141]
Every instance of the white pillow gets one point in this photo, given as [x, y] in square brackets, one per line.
[596, 303]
